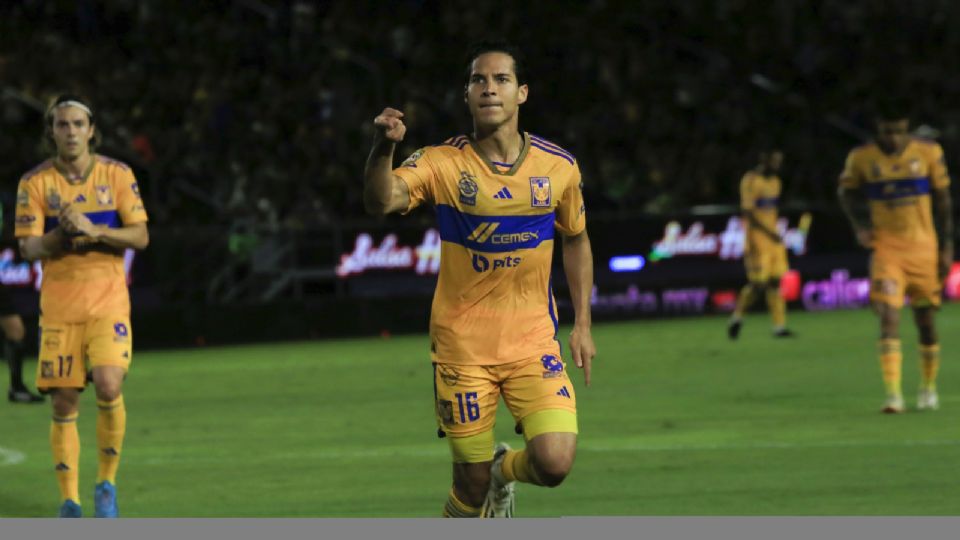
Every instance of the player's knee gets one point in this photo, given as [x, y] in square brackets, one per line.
[108, 389]
[552, 473]
[553, 467]
[65, 401]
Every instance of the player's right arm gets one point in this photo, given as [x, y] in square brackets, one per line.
[33, 242]
[853, 203]
[383, 191]
[748, 210]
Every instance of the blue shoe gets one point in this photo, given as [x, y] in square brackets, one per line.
[70, 509]
[105, 500]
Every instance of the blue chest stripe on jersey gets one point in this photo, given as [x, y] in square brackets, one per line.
[766, 202]
[110, 218]
[895, 189]
[493, 234]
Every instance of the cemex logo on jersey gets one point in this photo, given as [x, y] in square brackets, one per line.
[485, 231]
[482, 264]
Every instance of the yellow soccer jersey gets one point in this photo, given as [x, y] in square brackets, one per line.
[760, 194]
[898, 189]
[494, 301]
[88, 280]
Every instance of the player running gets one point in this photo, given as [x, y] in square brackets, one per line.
[501, 197]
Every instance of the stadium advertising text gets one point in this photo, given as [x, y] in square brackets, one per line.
[390, 255]
[725, 244]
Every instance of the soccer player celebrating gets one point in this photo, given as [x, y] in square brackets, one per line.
[905, 182]
[77, 212]
[500, 196]
[764, 254]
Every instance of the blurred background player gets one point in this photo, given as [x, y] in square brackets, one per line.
[80, 212]
[764, 254]
[13, 332]
[500, 194]
[905, 182]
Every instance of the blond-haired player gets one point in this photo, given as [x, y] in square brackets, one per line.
[77, 212]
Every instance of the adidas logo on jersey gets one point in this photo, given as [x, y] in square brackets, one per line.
[80, 199]
[503, 194]
[564, 392]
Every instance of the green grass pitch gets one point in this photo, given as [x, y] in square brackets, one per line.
[678, 421]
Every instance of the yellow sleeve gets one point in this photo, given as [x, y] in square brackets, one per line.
[939, 177]
[851, 177]
[29, 214]
[420, 175]
[571, 214]
[748, 198]
[129, 203]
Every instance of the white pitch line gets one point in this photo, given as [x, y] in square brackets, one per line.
[441, 450]
[9, 456]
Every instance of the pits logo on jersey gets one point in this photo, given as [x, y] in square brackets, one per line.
[412, 160]
[481, 263]
[552, 365]
[468, 188]
[540, 194]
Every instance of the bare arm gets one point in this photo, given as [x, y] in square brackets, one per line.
[853, 207]
[383, 191]
[751, 217]
[578, 267]
[943, 220]
[42, 247]
[133, 236]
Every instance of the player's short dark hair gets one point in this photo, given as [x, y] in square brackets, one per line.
[60, 100]
[502, 46]
[891, 109]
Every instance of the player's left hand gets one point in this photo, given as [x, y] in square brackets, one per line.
[76, 221]
[945, 261]
[583, 350]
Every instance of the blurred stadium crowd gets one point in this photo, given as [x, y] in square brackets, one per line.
[261, 111]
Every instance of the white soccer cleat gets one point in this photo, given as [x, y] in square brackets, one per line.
[500, 499]
[928, 400]
[893, 405]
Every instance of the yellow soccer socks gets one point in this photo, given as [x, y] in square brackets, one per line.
[778, 308]
[65, 444]
[455, 508]
[929, 366]
[745, 299]
[517, 466]
[111, 427]
[891, 360]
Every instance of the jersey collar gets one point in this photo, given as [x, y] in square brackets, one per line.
[524, 149]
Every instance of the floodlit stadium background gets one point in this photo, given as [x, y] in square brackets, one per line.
[248, 123]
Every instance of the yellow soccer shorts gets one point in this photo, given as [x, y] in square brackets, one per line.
[764, 264]
[895, 273]
[538, 392]
[69, 350]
